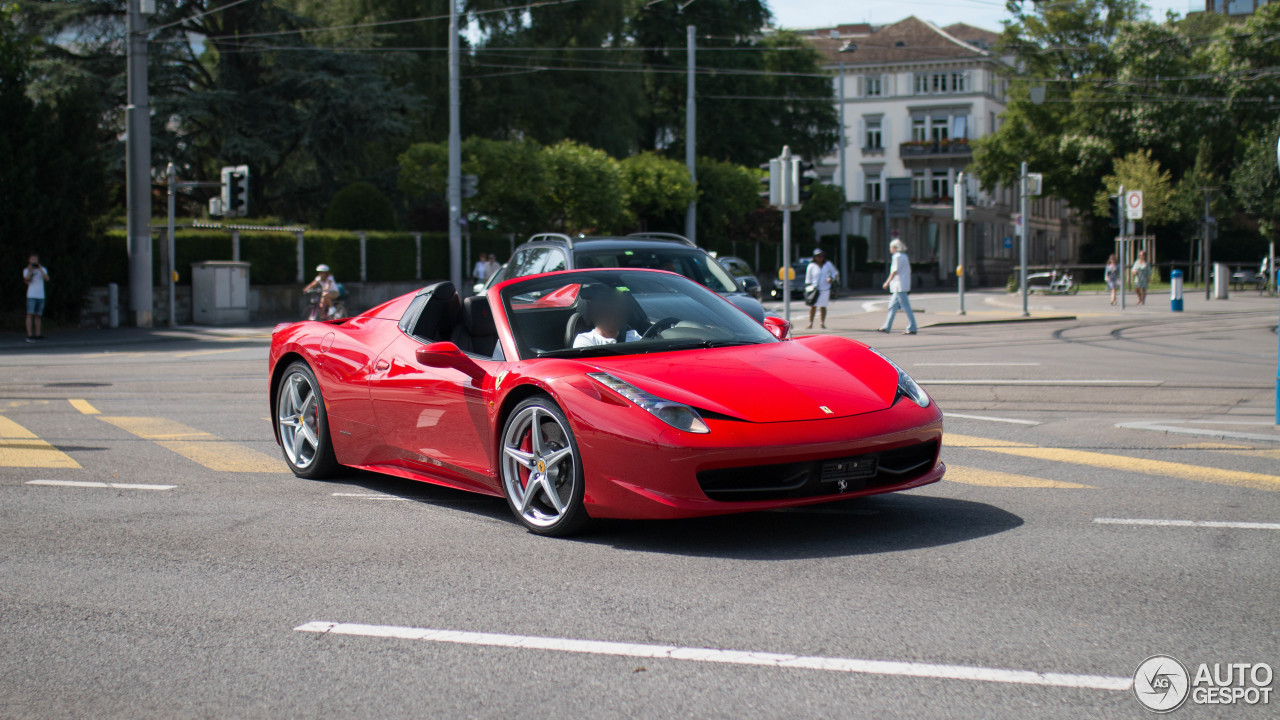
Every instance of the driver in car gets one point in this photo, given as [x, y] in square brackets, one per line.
[610, 311]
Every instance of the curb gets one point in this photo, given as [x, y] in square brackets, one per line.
[956, 323]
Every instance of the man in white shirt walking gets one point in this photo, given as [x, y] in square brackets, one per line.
[34, 275]
[899, 283]
[820, 274]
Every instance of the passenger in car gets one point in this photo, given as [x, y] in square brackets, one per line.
[609, 313]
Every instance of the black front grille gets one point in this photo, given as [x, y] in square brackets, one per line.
[819, 477]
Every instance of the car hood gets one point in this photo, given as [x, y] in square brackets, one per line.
[810, 378]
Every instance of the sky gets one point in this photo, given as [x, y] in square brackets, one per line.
[983, 13]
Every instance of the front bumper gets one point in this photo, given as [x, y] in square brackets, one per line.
[629, 477]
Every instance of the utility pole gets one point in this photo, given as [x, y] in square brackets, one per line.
[455, 155]
[691, 137]
[138, 165]
[1204, 255]
[1123, 250]
[1022, 238]
[172, 176]
[844, 192]
[961, 213]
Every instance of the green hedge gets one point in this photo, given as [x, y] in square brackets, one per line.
[389, 256]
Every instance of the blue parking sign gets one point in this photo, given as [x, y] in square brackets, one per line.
[1008, 243]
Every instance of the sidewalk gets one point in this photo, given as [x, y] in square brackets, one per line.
[866, 312]
[112, 338]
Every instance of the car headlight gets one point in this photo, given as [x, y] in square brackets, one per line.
[906, 385]
[677, 415]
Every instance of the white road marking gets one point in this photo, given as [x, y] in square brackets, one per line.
[1015, 421]
[1201, 432]
[979, 364]
[1191, 523]
[367, 496]
[89, 484]
[731, 657]
[1005, 381]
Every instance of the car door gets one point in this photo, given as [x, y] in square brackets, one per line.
[436, 419]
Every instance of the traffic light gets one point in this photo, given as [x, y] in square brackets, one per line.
[235, 191]
[1115, 211]
[470, 186]
[808, 176]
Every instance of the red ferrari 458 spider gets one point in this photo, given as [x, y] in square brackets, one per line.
[599, 394]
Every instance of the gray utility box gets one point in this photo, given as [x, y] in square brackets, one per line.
[220, 292]
[1221, 281]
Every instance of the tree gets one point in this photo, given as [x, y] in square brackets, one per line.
[727, 195]
[586, 192]
[1139, 171]
[360, 206]
[659, 190]
[1256, 183]
[52, 186]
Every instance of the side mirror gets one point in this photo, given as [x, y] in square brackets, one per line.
[448, 355]
[776, 326]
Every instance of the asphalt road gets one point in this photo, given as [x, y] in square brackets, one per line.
[995, 593]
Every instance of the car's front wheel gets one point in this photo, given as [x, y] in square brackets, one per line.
[541, 469]
[303, 424]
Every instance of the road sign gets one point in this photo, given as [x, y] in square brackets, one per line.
[1008, 243]
[1133, 204]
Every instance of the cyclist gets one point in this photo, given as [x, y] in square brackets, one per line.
[328, 287]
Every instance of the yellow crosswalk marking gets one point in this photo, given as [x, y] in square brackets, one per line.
[198, 353]
[1121, 463]
[994, 478]
[204, 448]
[19, 447]
[83, 406]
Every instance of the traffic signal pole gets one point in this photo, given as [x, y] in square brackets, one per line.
[1022, 239]
[691, 137]
[138, 169]
[455, 155]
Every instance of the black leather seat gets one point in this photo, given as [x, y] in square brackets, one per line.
[438, 315]
[476, 334]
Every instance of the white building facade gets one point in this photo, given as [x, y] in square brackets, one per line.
[915, 97]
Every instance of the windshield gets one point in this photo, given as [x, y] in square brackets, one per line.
[693, 264]
[618, 312]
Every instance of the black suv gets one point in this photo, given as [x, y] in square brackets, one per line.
[549, 252]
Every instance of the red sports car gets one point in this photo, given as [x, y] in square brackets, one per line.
[599, 394]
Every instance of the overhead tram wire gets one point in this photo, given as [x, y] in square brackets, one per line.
[197, 16]
[385, 23]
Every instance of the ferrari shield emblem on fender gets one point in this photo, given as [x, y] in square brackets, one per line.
[826, 410]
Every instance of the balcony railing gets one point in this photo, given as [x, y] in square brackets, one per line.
[917, 148]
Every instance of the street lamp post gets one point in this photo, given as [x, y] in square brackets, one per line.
[138, 165]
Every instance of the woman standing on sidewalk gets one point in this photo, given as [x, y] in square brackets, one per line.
[1113, 276]
[1141, 276]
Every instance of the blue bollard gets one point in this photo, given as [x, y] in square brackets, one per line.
[1175, 294]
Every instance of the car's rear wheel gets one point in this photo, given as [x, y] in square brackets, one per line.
[303, 424]
[541, 469]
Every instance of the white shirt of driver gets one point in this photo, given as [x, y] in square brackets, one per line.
[820, 275]
[592, 337]
[902, 281]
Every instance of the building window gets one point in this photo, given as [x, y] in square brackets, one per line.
[872, 85]
[939, 186]
[873, 139]
[919, 186]
[873, 188]
[958, 81]
[938, 128]
[939, 84]
[918, 131]
[921, 85]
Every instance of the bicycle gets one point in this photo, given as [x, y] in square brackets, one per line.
[338, 309]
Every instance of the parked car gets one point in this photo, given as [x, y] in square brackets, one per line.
[548, 252]
[1055, 282]
[798, 270]
[742, 272]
